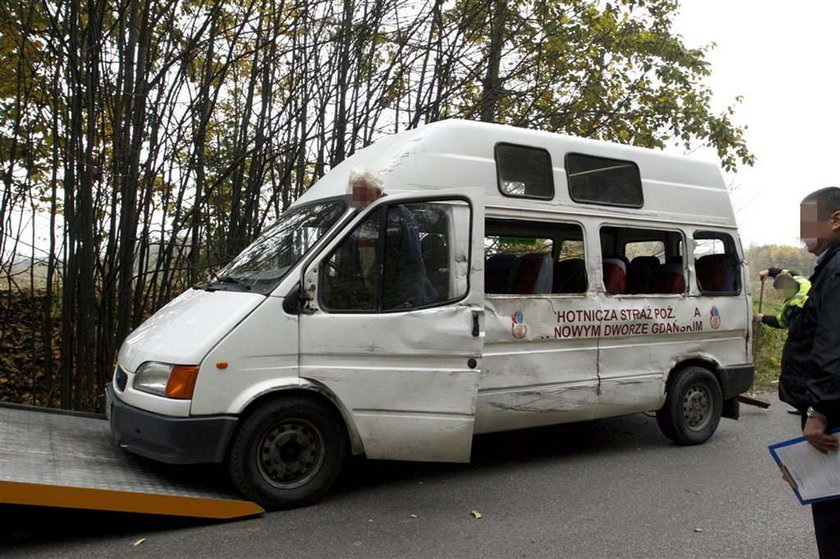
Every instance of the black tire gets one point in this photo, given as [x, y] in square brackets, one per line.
[692, 407]
[288, 453]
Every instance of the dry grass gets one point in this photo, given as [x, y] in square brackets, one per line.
[24, 277]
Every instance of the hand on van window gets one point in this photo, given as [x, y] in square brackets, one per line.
[815, 433]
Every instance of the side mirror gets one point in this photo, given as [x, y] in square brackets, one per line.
[291, 303]
[295, 303]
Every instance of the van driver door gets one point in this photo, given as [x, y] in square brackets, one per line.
[392, 324]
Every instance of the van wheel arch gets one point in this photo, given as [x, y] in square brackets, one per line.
[709, 364]
[318, 394]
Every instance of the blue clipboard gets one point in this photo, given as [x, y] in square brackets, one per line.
[789, 478]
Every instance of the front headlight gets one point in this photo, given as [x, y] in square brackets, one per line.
[152, 377]
[163, 379]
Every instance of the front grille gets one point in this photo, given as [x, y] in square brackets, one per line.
[120, 379]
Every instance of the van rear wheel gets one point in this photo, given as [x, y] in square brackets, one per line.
[692, 407]
[288, 453]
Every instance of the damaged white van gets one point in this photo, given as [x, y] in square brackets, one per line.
[501, 279]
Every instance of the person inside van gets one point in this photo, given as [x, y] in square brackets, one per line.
[406, 283]
[793, 287]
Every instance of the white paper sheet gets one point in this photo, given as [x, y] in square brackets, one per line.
[815, 474]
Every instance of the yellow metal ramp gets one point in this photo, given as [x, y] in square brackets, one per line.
[59, 459]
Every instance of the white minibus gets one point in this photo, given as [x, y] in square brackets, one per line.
[501, 279]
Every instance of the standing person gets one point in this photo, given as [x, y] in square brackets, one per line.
[810, 379]
[793, 287]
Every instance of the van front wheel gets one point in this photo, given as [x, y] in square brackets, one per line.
[692, 407]
[288, 453]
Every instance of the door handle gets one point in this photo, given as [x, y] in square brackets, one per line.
[476, 330]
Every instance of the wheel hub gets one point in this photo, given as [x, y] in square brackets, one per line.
[697, 407]
[290, 454]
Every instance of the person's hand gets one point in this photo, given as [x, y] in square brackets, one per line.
[815, 433]
[762, 275]
[758, 318]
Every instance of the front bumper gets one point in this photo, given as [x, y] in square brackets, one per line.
[174, 440]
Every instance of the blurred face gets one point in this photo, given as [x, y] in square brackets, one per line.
[786, 286]
[817, 235]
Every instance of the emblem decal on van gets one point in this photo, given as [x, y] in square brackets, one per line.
[518, 327]
[715, 320]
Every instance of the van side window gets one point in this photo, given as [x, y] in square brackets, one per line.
[524, 172]
[348, 281]
[642, 261]
[603, 181]
[403, 256]
[716, 264]
[528, 258]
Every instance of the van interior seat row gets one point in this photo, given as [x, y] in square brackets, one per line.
[534, 273]
[498, 273]
[646, 274]
[669, 278]
[615, 276]
[640, 274]
[524, 275]
[643, 275]
[718, 272]
[569, 276]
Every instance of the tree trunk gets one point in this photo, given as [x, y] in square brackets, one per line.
[492, 85]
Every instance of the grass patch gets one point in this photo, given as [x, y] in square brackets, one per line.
[767, 342]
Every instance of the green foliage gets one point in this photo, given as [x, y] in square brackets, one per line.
[767, 342]
[614, 71]
[779, 256]
[516, 245]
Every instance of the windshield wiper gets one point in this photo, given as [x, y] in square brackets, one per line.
[215, 280]
[204, 285]
[232, 280]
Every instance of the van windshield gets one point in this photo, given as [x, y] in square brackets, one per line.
[262, 265]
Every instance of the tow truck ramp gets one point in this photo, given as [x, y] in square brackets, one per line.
[59, 459]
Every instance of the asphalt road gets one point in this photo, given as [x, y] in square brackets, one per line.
[609, 488]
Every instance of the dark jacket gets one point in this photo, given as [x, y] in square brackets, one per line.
[811, 356]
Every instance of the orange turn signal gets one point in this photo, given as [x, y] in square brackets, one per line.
[181, 382]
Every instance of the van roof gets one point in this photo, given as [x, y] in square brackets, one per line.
[453, 154]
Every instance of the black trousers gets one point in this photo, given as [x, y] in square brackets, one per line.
[826, 520]
[827, 528]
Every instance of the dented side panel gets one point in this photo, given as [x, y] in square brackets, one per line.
[535, 372]
[659, 332]
[404, 376]
[646, 333]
